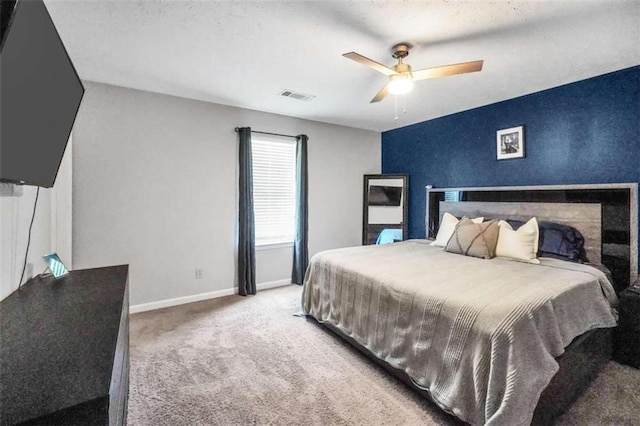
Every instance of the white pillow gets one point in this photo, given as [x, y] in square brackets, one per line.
[447, 226]
[521, 244]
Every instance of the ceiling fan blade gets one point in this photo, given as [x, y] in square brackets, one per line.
[448, 70]
[381, 94]
[369, 62]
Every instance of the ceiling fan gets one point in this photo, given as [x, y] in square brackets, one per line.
[401, 77]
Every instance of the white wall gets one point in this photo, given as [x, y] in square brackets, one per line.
[274, 264]
[155, 186]
[16, 208]
[61, 209]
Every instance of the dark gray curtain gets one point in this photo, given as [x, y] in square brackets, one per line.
[300, 242]
[246, 230]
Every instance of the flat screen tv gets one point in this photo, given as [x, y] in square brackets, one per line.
[385, 195]
[40, 93]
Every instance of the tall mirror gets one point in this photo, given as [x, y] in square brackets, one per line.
[385, 209]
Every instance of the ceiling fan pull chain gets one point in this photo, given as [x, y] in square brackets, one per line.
[396, 102]
[404, 103]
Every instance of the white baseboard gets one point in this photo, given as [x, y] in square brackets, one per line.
[273, 284]
[152, 306]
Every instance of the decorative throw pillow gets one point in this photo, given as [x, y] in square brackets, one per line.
[447, 226]
[474, 239]
[521, 244]
[558, 241]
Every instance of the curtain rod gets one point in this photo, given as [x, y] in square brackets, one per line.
[237, 129]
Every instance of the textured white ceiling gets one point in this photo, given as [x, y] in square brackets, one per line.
[244, 53]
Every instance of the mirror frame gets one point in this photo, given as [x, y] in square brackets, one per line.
[365, 204]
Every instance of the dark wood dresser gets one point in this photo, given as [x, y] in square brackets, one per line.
[64, 350]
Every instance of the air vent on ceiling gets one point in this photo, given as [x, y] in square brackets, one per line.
[296, 95]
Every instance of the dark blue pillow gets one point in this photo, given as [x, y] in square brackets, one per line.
[558, 241]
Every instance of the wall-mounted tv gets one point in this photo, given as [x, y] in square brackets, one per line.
[40, 93]
[385, 195]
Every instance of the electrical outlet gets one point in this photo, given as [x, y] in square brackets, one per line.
[198, 274]
[29, 271]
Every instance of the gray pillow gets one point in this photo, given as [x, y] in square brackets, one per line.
[474, 239]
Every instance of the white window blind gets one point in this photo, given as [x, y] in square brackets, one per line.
[274, 180]
[452, 196]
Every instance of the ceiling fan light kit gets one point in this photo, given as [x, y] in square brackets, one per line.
[400, 84]
[401, 77]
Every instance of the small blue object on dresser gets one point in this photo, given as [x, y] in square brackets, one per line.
[55, 265]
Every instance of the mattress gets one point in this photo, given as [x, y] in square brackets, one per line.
[479, 336]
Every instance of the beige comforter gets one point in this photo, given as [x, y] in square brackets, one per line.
[479, 335]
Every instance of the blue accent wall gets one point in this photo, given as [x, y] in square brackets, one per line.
[583, 132]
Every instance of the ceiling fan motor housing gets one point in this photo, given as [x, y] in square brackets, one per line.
[400, 50]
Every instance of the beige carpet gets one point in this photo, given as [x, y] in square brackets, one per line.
[249, 361]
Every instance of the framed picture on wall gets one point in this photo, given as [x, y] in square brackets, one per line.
[510, 143]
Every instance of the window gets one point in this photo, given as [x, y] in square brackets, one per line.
[452, 196]
[274, 183]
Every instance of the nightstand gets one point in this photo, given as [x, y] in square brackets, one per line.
[627, 342]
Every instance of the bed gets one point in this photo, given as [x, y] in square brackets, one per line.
[490, 341]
